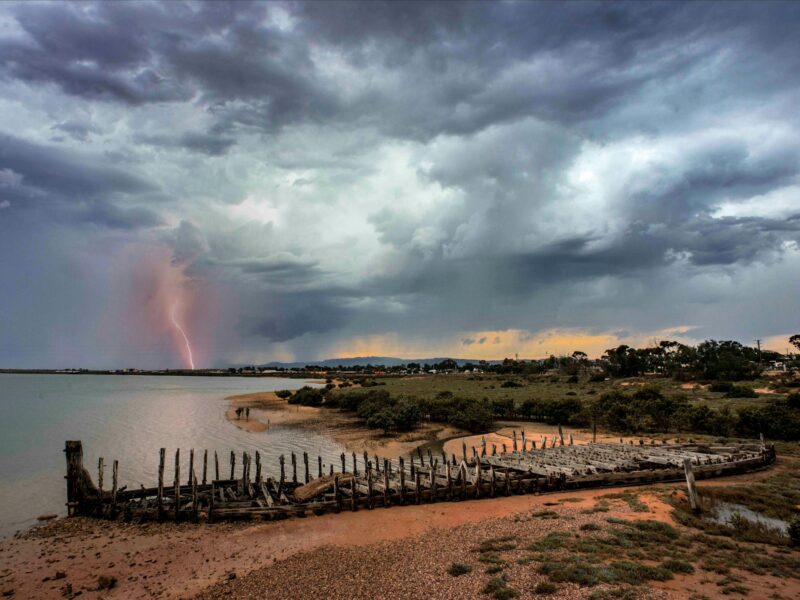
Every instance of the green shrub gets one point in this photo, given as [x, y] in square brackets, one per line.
[283, 394]
[741, 391]
[677, 565]
[545, 588]
[307, 396]
[458, 569]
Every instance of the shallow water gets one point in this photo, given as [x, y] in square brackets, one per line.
[724, 511]
[127, 418]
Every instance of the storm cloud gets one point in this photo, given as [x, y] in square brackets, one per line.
[335, 178]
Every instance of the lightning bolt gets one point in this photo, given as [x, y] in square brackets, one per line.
[183, 333]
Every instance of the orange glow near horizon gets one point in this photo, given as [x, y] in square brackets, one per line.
[496, 345]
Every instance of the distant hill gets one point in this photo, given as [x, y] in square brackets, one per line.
[385, 361]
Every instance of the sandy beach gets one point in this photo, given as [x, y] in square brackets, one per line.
[267, 410]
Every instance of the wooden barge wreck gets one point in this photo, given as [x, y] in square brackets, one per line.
[360, 482]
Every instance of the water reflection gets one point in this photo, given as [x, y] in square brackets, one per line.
[127, 418]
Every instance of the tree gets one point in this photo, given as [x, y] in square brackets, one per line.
[383, 419]
[795, 340]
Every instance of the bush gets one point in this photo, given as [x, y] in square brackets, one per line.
[458, 569]
[307, 396]
[545, 587]
[283, 394]
[407, 415]
[720, 386]
[510, 384]
[597, 377]
[381, 419]
[741, 391]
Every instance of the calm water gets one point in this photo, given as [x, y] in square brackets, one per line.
[127, 418]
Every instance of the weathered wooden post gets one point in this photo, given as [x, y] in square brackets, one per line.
[494, 449]
[369, 485]
[205, 465]
[386, 498]
[533, 445]
[73, 451]
[294, 468]
[258, 468]
[305, 463]
[377, 465]
[504, 448]
[344, 463]
[523, 441]
[233, 464]
[478, 475]
[282, 461]
[483, 446]
[416, 488]
[449, 480]
[402, 481]
[191, 465]
[100, 475]
[430, 457]
[492, 481]
[561, 434]
[464, 450]
[694, 501]
[337, 496]
[355, 465]
[177, 483]
[571, 440]
[462, 472]
[216, 466]
[160, 497]
[194, 498]
[421, 459]
[514, 444]
[319, 466]
[433, 483]
[353, 493]
[114, 473]
[366, 462]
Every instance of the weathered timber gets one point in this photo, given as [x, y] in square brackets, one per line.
[483, 476]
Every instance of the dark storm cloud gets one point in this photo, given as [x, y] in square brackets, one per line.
[424, 168]
[85, 191]
[291, 315]
[204, 143]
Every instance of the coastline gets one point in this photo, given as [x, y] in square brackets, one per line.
[267, 410]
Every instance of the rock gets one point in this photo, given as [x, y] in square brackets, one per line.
[231, 576]
[47, 517]
[60, 575]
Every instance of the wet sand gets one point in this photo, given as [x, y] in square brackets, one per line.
[267, 410]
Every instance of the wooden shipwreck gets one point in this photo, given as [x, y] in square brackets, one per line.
[360, 482]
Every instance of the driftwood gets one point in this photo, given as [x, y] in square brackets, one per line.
[319, 486]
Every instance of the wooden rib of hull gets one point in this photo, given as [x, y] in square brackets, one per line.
[519, 472]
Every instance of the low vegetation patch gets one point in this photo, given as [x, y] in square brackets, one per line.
[458, 569]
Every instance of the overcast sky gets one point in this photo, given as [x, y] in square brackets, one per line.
[301, 181]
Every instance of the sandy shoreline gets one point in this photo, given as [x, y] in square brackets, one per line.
[267, 410]
[185, 560]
